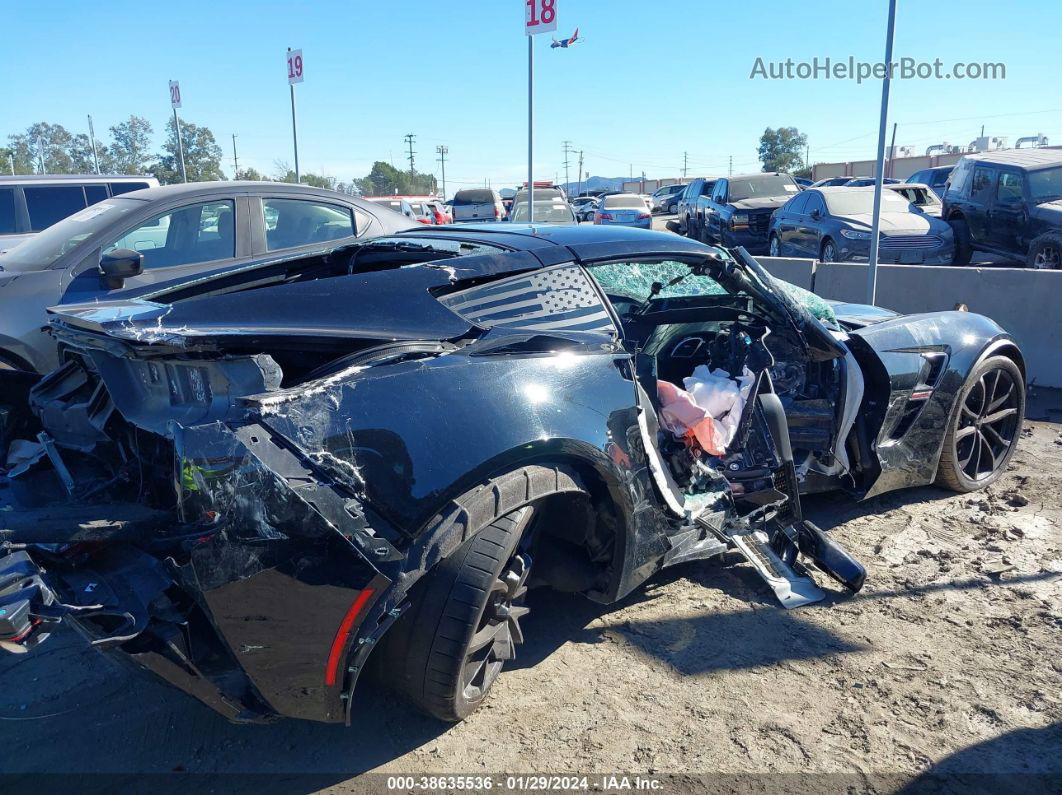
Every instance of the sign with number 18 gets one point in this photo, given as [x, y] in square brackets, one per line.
[540, 16]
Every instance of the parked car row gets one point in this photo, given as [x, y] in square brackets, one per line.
[1004, 202]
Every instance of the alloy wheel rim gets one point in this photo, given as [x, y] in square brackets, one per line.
[774, 247]
[828, 253]
[498, 631]
[987, 424]
[1048, 258]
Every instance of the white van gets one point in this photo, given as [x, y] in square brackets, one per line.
[31, 203]
[478, 204]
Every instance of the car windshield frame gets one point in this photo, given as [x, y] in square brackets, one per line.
[632, 202]
[843, 202]
[46, 248]
[543, 212]
[760, 187]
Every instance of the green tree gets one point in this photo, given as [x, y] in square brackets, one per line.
[249, 173]
[283, 172]
[43, 142]
[782, 149]
[81, 156]
[130, 148]
[202, 155]
[386, 180]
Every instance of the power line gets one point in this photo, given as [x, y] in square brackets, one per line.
[567, 151]
[443, 152]
[409, 138]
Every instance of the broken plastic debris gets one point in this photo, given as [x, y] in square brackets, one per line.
[21, 455]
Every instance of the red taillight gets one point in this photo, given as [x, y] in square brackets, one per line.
[343, 634]
[599, 217]
[644, 215]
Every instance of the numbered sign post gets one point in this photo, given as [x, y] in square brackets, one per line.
[540, 16]
[175, 102]
[295, 75]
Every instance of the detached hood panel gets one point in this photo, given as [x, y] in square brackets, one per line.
[387, 305]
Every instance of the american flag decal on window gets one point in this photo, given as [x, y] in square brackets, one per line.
[549, 300]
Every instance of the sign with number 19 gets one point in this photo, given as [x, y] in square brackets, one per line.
[294, 66]
[540, 16]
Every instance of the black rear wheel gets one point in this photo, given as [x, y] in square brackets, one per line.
[985, 426]
[465, 621]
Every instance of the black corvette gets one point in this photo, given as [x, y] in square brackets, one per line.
[257, 483]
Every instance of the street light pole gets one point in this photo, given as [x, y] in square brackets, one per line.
[180, 144]
[235, 160]
[92, 138]
[530, 129]
[872, 270]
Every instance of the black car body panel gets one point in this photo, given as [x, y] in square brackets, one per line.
[291, 457]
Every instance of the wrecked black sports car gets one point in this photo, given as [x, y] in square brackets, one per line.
[254, 484]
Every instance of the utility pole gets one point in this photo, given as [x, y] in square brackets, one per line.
[579, 175]
[685, 163]
[235, 161]
[92, 138]
[567, 151]
[730, 168]
[40, 154]
[443, 152]
[875, 223]
[892, 148]
[410, 137]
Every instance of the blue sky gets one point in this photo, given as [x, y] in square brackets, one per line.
[650, 81]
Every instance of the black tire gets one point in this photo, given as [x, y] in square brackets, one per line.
[1045, 252]
[774, 247]
[692, 232]
[463, 596]
[985, 426]
[963, 243]
[825, 250]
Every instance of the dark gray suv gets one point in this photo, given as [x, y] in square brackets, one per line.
[166, 234]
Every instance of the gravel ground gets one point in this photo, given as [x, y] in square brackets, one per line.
[949, 660]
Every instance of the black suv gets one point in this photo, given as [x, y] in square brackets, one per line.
[1009, 203]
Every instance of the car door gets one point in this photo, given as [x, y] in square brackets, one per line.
[809, 229]
[978, 210]
[1008, 218]
[176, 243]
[786, 222]
[715, 203]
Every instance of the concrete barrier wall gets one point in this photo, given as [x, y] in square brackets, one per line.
[1027, 303]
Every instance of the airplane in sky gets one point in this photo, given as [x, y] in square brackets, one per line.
[565, 43]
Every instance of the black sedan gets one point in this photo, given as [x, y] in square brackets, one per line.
[250, 484]
[835, 224]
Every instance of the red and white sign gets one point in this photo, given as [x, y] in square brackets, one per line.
[540, 16]
[294, 66]
[175, 94]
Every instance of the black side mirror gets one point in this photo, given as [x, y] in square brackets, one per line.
[118, 265]
[816, 214]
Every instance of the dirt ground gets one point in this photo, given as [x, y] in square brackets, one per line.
[949, 661]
